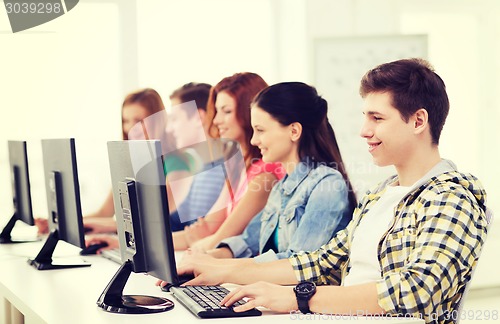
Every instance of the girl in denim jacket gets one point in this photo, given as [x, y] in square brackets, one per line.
[314, 200]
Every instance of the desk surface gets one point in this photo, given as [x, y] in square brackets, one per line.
[69, 295]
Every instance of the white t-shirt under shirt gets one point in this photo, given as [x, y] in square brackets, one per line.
[363, 259]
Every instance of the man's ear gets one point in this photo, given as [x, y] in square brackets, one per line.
[295, 131]
[420, 120]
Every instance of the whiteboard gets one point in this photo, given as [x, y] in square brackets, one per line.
[339, 64]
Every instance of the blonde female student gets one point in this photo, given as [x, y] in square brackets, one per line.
[228, 113]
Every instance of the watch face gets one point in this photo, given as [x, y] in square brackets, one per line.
[305, 288]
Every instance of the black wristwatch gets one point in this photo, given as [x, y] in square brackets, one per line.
[304, 291]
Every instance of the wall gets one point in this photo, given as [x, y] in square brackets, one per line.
[68, 77]
[63, 79]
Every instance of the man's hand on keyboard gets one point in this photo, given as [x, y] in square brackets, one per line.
[277, 298]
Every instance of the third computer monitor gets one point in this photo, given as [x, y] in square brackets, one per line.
[138, 179]
[21, 195]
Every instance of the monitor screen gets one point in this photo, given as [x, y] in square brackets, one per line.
[63, 201]
[21, 194]
[141, 210]
[18, 159]
[138, 180]
[143, 221]
[140, 200]
[143, 224]
[63, 190]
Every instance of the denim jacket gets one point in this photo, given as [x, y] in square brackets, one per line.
[308, 206]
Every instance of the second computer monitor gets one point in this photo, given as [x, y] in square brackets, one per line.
[63, 190]
[63, 201]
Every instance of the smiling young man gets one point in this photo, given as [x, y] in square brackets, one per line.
[414, 240]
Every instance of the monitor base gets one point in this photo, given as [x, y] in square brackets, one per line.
[112, 298]
[10, 241]
[50, 266]
[43, 261]
[5, 235]
[137, 304]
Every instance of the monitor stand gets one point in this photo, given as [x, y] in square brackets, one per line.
[5, 236]
[112, 298]
[43, 261]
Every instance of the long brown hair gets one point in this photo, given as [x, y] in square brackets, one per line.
[242, 87]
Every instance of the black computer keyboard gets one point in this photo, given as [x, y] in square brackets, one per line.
[204, 302]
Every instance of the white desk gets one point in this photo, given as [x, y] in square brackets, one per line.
[69, 295]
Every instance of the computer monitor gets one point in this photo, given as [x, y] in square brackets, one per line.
[143, 224]
[63, 201]
[21, 194]
[142, 217]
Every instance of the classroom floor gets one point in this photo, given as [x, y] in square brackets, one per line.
[482, 306]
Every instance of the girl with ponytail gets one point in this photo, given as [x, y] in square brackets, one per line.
[314, 200]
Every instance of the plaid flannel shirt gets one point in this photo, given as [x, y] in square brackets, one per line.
[428, 254]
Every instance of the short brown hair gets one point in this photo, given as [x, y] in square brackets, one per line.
[193, 91]
[413, 84]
